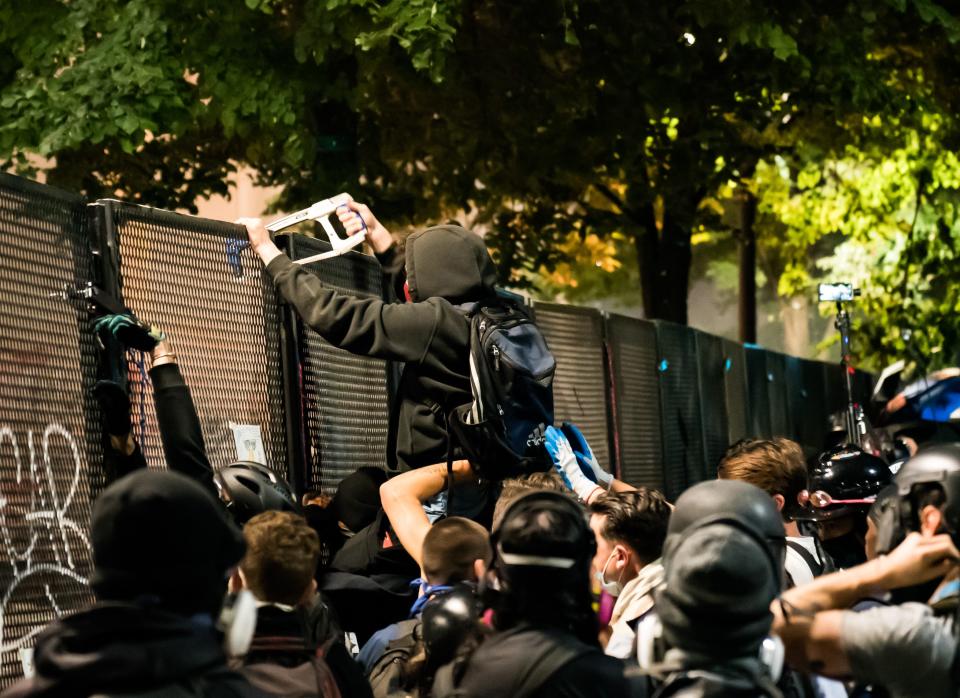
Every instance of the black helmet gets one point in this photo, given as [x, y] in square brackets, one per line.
[448, 620]
[544, 531]
[843, 480]
[938, 467]
[248, 489]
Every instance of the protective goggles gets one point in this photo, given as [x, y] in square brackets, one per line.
[821, 500]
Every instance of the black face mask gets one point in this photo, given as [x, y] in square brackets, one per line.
[846, 550]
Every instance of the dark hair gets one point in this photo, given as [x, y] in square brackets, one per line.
[282, 556]
[638, 519]
[775, 465]
[450, 548]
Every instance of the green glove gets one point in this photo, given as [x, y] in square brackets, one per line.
[129, 331]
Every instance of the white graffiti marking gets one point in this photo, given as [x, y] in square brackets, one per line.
[45, 517]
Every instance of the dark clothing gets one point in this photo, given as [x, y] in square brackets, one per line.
[364, 604]
[446, 265]
[510, 664]
[179, 427]
[702, 685]
[284, 660]
[364, 553]
[114, 649]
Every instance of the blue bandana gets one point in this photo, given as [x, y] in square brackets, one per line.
[428, 591]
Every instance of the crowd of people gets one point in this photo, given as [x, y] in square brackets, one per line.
[779, 578]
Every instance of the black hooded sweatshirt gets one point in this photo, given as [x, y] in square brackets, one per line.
[446, 266]
[115, 648]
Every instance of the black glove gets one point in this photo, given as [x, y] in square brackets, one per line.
[129, 331]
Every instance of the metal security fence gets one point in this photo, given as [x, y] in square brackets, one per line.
[810, 417]
[735, 383]
[635, 400]
[345, 396]
[210, 295]
[680, 420]
[758, 395]
[659, 403]
[575, 336]
[712, 363]
[778, 395]
[49, 451]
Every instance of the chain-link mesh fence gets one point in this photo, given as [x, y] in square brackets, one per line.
[636, 400]
[210, 295]
[346, 403]
[575, 336]
[49, 432]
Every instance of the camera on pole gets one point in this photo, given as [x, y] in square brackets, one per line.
[841, 293]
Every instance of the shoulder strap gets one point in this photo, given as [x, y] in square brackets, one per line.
[815, 567]
[560, 653]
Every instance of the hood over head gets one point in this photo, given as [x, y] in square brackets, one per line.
[449, 261]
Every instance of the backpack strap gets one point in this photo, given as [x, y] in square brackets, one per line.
[537, 668]
[815, 567]
[559, 655]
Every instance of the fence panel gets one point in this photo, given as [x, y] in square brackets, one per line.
[681, 426]
[575, 336]
[812, 423]
[192, 277]
[346, 402]
[635, 400]
[758, 394]
[713, 399]
[739, 411]
[778, 395]
[835, 388]
[796, 396]
[49, 424]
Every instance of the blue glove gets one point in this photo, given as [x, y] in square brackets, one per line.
[588, 462]
[565, 463]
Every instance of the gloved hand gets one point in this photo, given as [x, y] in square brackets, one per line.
[588, 462]
[565, 463]
[129, 331]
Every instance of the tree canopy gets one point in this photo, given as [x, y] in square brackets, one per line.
[552, 120]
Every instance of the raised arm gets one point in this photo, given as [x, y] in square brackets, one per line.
[403, 495]
[177, 419]
[809, 620]
[366, 326]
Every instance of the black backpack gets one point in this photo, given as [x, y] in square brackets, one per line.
[386, 674]
[511, 378]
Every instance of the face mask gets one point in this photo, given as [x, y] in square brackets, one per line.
[612, 588]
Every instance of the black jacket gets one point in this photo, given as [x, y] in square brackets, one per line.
[179, 428]
[114, 649]
[533, 662]
[445, 266]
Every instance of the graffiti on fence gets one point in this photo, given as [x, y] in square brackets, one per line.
[43, 546]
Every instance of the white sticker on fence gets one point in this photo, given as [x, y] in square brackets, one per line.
[249, 442]
[26, 660]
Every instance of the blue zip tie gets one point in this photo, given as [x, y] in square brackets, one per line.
[234, 248]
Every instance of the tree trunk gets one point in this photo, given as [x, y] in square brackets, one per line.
[664, 258]
[795, 313]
